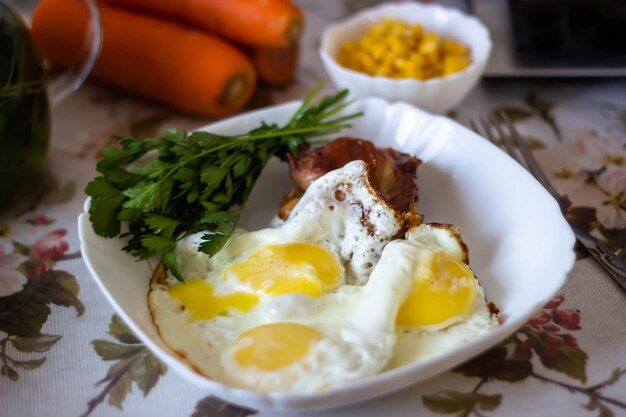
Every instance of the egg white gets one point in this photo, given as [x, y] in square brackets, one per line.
[342, 213]
[414, 344]
[358, 323]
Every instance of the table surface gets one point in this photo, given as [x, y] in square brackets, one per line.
[63, 351]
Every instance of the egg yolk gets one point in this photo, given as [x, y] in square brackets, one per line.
[197, 297]
[274, 346]
[443, 289]
[292, 268]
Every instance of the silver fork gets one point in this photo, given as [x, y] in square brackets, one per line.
[486, 126]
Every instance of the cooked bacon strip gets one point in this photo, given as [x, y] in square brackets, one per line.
[289, 202]
[392, 173]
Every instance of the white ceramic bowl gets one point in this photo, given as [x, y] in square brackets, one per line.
[436, 95]
[520, 245]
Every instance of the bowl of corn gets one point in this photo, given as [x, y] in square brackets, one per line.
[424, 54]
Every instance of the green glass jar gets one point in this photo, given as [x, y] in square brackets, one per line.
[24, 108]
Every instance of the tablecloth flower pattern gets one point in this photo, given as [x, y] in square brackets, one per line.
[30, 283]
[590, 175]
[586, 165]
[585, 157]
[133, 363]
[546, 337]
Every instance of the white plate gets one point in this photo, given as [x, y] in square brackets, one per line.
[520, 245]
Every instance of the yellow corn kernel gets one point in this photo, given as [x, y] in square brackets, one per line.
[417, 58]
[450, 47]
[377, 51]
[395, 49]
[452, 64]
[418, 32]
[429, 45]
[419, 75]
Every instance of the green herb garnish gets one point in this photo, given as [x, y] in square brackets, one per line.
[198, 182]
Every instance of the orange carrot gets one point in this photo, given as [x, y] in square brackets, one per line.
[187, 69]
[268, 23]
[275, 66]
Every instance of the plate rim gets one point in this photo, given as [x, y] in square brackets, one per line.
[380, 383]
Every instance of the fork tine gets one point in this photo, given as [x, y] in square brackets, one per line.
[605, 257]
[487, 123]
[474, 127]
[487, 131]
[506, 140]
[531, 162]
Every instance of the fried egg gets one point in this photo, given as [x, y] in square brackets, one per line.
[446, 306]
[339, 337]
[340, 213]
[327, 297]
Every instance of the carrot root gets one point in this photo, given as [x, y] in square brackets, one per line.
[275, 66]
[267, 23]
[188, 69]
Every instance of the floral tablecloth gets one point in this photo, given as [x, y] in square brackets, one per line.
[63, 351]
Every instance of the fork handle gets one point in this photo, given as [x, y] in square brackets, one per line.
[611, 263]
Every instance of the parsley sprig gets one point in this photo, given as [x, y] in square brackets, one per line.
[198, 182]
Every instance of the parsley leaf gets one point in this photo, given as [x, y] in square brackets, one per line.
[105, 205]
[198, 182]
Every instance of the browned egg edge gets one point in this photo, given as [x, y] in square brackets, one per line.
[407, 219]
[456, 233]
[158, 277]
